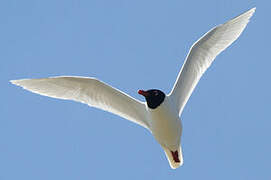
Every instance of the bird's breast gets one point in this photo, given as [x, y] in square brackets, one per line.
[166, 126]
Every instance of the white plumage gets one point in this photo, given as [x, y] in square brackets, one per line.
[90, 91]
[162, 121]
[203, 53]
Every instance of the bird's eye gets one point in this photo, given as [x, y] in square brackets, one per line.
[156, 93]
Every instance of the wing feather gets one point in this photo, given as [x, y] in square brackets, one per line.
[203, 53]
[90, 91]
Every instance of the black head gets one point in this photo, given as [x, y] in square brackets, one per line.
[154, 97]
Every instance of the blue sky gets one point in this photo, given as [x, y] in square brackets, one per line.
[226, 121]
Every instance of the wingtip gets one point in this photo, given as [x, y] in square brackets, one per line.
[249, 12]
[13, 82]
[252, 10]
[18, 82]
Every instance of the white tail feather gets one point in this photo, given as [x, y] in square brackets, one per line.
[171, 161]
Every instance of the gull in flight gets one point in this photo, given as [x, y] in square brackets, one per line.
[160, 114]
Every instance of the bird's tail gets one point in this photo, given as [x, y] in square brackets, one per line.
[175, 157]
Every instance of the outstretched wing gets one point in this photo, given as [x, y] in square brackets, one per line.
[203, 53]
[89, 91]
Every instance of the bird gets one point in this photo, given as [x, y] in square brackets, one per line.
[161, 112]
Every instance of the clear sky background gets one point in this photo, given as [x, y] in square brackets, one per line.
[132, 45]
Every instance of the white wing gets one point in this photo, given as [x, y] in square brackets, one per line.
[89, 91]
[203, 53]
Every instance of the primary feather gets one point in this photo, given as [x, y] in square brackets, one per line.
[90, 91]
[203, 53]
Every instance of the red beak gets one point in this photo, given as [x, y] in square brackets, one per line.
[143, 93]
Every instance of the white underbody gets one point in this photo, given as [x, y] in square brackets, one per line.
[166, 127]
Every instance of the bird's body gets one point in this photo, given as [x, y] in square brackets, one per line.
[166, 127]
[160, 114]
